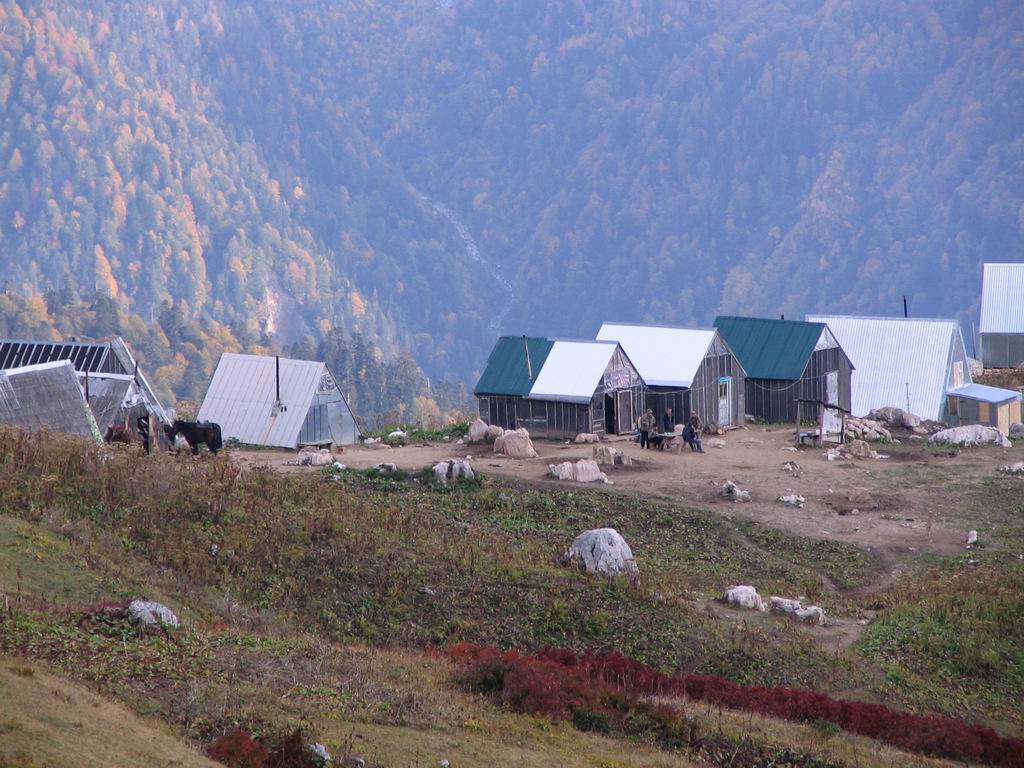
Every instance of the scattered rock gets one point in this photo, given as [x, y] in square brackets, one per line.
[745, 597]
[494, 432]
[714, 442]
[478, 431]
[732, 491]
[181, 444]
[972, 539]
[1017, 431]
[398, 436]
[321, 758]
[515, 444]
[1013, 469]
[338, 467]
[866, 429]
[147, 613]
[812, 614]
[386, 468]
[856, 449]
[313, 457]
[792, 500]
[583, 471]
[972, 434]
[791, 466]
[587, 437]
[427, 591]
[453, 469]
[608, 456]
[602, 550]
[895, 417]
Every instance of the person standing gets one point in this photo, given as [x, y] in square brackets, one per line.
[668, 425]
[693, 431]
[646, 425]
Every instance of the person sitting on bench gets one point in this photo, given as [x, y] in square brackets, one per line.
[691, 433]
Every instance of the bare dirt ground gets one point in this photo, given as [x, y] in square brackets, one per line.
[896, 504]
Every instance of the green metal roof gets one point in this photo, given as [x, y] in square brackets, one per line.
[770, 349]
[506, 372]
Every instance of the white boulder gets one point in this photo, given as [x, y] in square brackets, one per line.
[147, 613]
[313, 457]
[792, 500]
[812, 614]
[745, 596]
[602, 550]
[1013, 469]
[972, 539]
[477, 431]
[516, 444]
[587, 437]
[583, 471]
[732, 491]
[970, 435]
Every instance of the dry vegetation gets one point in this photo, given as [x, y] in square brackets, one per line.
[298, 591]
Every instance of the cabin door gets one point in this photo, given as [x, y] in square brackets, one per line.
[724, 401]
[624, 409]
[833, 422]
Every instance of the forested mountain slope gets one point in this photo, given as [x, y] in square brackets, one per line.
[214, 175]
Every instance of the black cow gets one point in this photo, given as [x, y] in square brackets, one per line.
[196, 433]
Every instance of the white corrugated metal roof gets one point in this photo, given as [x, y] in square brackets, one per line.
[242, 393]
[663, 356]
[896, 359]
[572, 371]
[985, 394]
[1002, 299]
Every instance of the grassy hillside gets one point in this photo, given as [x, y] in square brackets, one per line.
[307, 599]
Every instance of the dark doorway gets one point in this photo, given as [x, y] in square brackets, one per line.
[609, 416]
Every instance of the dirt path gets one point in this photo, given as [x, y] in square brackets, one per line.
[890, 506]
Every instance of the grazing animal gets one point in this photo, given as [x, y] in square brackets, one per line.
[196, 433]
[117, 433]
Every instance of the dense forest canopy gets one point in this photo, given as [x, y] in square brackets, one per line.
[389, 185]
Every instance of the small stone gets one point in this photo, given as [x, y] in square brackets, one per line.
[972, 539]
[147, 613]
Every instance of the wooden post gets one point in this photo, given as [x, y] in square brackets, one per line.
[797, 402]
[821, 423]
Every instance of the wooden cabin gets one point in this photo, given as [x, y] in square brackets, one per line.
[788, 361]
[685, 369]
[558, 389]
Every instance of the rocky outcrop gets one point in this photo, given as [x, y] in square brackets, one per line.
[1016, 431]
[970, 435]
[866, 429]
[1013, 469]
[587, 437]
[313, 457]
[604, 551]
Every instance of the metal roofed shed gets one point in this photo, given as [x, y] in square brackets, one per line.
[980, 404]
[684, 369]
[900, 362]
[104, 356]
[46, 395]
[1002, 316]
[578, 386]
[264, 400]
[788, 362]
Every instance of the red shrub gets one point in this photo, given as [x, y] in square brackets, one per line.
[561, 683]
[237, 749]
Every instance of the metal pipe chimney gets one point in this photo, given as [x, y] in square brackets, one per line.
[529, 365]
[905, 314]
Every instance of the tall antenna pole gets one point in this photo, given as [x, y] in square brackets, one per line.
[905, 314]
[529, 365]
